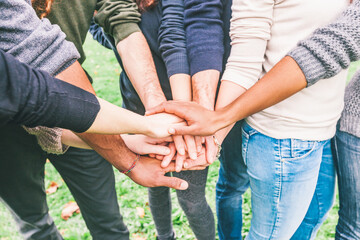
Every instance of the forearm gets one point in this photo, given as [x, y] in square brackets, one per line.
[139, 66]
[228, 92]
[112, 148]
[281, 82]
[112, 119]
[181, 87]
[204, 85]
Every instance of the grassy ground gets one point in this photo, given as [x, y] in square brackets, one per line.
[102, 66]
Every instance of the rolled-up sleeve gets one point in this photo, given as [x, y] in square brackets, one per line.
[119, 18]
[204, 34]
[33, 41]
[172, 37]
[249, 31]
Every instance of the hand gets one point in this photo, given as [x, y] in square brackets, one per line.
[200, 121]
[200, 163]
[144, 145]
[149, 173]
[159, 123]
[159, 126]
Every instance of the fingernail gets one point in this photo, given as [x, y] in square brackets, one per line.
[171, 131]
[182, 151]
[199, 148]
[186, 165]
[193, 156]
[184, 185]
[167, 152]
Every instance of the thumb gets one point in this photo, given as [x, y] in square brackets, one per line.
[158, 109]
[181, 130]
[174, 182]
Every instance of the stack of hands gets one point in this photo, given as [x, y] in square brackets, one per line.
[164, 143]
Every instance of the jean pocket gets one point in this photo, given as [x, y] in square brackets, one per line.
[247, 132]
[299, 149]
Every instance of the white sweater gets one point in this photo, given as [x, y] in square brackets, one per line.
[262, 32]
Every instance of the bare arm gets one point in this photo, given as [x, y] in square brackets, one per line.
[139, 66]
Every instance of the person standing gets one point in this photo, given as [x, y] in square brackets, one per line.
[90, 178]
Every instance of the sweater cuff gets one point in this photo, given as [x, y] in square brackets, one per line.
[350, 124]
[122, 31]
[177, 63]
[206, 61]
[309, 64]
[49, 139]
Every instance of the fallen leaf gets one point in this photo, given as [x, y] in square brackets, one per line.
[137, 237]
[140, 212]
[62, 231]
[69, 210]
[52, 187]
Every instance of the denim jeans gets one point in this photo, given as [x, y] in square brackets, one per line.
[348, 169]
[322, 200]
[232, 183]
[283, 177]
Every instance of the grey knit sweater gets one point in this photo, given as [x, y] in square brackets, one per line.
[329, 50]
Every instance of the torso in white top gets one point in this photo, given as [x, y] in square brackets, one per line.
[312, 113]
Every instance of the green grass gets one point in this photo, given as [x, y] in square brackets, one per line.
[103, 67]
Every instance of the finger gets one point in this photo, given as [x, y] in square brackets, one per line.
[159, 157]
[159, 140]
[179, 162]
[167, 159]
[173, 182]
[157, 149]
[191, 146]
[211, 149]
[158, 109]
[197, 168]
[152, 155]
[179, 144]
[189, 163]
[198, 142]
[183, 130]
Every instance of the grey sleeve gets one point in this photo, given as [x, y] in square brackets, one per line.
[331, 48]
[33, 41]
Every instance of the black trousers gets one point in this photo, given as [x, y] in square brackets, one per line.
[89, 177]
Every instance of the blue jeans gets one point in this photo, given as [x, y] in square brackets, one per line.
[283, 177]
[348, 169]
[232, 183]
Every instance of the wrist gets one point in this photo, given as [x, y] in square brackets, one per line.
[133, 165]
[222, 118]
[152, 100]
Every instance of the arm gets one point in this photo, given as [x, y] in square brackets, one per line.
[286, 78]
[147, 172]
[120, 19]
[31, 98]
[331, 48]
[98, 35]
[172, 41]
[34, 41]
[205, 47]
